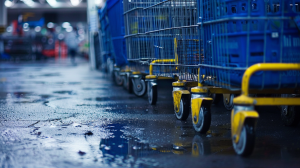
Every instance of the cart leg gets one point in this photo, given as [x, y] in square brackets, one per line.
[243, 122]
[228, 101]
[200, 107]
[216, 98]
[110, 67]
[290, 115]
[127, 83]
[117, 78]
[181, 100]
[152, 91]
[139, 85]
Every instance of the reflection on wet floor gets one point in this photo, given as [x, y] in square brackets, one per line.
[64, 120]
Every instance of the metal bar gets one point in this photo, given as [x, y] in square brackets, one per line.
[244, 18]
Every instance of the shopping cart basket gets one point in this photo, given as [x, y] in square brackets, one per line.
[248, 47]
[113, 41]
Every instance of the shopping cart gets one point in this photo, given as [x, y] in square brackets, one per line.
[249, 47]
[153, 29]
[112, 39]
[244, 47]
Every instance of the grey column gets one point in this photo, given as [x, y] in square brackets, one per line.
[3, 17]
[3, 14]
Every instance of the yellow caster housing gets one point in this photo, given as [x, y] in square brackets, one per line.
[244, 117]
[152, 89]
[116, 76]
[201, 109]
[182, 98]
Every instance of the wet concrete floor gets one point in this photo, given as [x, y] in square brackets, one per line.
[57, 114]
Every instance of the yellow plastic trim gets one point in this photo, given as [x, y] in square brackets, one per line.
[196, 105]
[238, 120]
[175, 50]
[263, 101]
[199, 84]
[162, 77]
[177, 97]
[151, 77]
[191, 84]
[159, 61]
[185, 83]
[264, 67]
[136, 73]
[178, 152]
[199, 90]
[244, 100]
[178, 83]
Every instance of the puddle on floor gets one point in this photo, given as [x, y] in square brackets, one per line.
[4, 95]
[94, 88]
[112, 98]
[69, 92]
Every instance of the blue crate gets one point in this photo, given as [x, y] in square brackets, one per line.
[113, 30]
[225, 43]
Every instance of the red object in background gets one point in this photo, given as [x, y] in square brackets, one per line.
[63, 50]
[49, 53]
[55, 52]
[56, 48]
[17, 29]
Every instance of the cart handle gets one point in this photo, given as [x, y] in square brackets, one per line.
[265, 67]
[159, 61]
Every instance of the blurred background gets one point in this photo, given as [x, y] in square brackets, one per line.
[33, 30]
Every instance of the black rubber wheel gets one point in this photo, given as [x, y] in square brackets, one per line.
[216, 98]
[129, 85]
[228, 104]
[200, 147]
[290, 115]
[110, 67]
[139, 86]
[118, 79]
[203, 121]
[125, 83]
[152, 94]
[184, 109]
[246, 142]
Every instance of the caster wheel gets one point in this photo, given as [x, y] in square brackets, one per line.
[110, 67]
[118, 79]
[152, 94]
[246, 142]
[124, 78]
[139, 86]
[200, 147]
[290, 115]
[127, 83]
[202, 123]
[216, 98]
[228, 101]
[184, 109]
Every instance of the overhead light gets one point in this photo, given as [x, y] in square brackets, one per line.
[37, 28]
[99, 3]
[66, 25]
[9, 29]
[29, 3]
[52, 3]
[57, 29]
[61, 36]
[9, 3]
[69, 29]
[25, 25]
[50, 25]
[75, 2]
